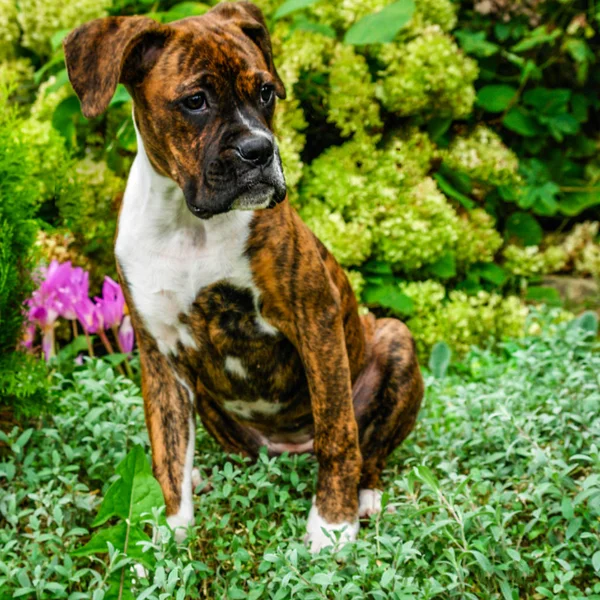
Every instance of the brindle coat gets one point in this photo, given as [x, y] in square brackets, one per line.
[351, 384]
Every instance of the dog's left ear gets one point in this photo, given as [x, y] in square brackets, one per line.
[252, 22]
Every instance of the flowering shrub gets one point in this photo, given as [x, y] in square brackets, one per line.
[394, 149]
[63, 292]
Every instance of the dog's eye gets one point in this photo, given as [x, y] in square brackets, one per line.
[195, 103]
[266, 93]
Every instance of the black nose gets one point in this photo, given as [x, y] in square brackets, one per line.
[257, 150]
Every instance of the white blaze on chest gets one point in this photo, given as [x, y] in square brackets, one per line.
[168, 255]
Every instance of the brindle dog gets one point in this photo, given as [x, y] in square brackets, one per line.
[240, 312]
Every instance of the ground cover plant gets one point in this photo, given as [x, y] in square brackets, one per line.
[495, 495]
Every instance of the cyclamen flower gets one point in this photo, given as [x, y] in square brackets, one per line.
[89, 316]
[112, 304]
[126, 335]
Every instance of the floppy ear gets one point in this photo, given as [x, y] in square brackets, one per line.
[252, 22]
[101, 53]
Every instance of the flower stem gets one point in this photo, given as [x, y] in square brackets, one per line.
[109, 347]
[127, 365]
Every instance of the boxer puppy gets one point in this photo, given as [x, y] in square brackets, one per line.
[241, 314]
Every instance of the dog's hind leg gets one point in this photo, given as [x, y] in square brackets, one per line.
[386, 397]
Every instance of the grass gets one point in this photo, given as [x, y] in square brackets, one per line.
[497, 494]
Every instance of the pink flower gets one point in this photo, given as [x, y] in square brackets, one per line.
[89, 316]
[126, 335]
[112, 304]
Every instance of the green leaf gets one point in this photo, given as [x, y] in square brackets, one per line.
[439, 361]
[116, 535]
[542, 294]
[491, 272]
[302, 23]
[382, 26]
[135, 492]
[475, 43]
[444, 267]
[377, 267]
[596, 561]
[58, 37]
[426, 475]
[120, 97]
[525, 228]
[573, 527]
[588, 321]
[291, 6]
[483, 562]
[520, 121]
[451, 191]
[63, 118]
[547, 101]
[388, 295]
[496, 98]
[537, 37]
[574, 203]
[183, 10]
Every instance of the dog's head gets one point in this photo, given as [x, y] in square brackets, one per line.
[204, 94]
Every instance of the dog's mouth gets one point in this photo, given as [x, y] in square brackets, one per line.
[259, 196]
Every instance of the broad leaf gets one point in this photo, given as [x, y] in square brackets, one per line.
[444, 267]
[496, 98]
[117, 535]
[525, 228]
[388, 295]
[381, 27]
[291, 6]
[475, 43]
[521, 122]
[440, 359]
[545, 295]
[136, 492]
[491, 272]
[451, 191]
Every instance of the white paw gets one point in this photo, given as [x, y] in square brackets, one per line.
[369, 502]
[320, 533]
[197, 482]
[179, 523]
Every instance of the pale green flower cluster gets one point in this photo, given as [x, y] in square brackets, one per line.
[15, 71]
[479, 240]
[9, 28]
[41, 19]
[349, 241]
[429, 74]
[579, 251]
[289, 124]
[45, 102]
[351, 100]
[417, 229]
[461, 320]
[530, 260]
[341, 14]
[433, 12]
[483, 157]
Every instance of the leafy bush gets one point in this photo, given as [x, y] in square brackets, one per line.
[496, 494]
[21, 379]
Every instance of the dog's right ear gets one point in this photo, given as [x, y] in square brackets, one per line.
[104, 52]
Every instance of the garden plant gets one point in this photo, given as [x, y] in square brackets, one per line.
[447, 153]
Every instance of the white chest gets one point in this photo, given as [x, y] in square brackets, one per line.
[168, 255]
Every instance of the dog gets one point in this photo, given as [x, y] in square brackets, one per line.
[241, 313]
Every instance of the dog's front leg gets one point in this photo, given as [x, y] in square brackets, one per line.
[169, 409]
[335, 507]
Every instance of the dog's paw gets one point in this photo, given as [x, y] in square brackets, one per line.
[179, 524]
[320, 533]
[199, 485]
[369, 503]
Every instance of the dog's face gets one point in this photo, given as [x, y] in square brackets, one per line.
[204, 93]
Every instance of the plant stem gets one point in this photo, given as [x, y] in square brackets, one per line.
[127, 365]
[109, 347]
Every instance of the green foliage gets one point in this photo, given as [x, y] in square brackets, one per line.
[496, 494]
[21, 380]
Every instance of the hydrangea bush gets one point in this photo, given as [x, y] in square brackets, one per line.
[386, 154]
